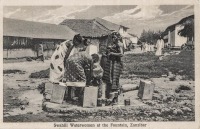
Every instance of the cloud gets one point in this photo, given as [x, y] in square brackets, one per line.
[48, 14]
[137, 17]
[9, 14]
[150, 17]
[141, 12]
[185, 9]
[58, 15]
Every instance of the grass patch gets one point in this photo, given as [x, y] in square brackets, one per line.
[13, 71]
[182, 64]
[142, 64]
[40, 74]
[147, 64]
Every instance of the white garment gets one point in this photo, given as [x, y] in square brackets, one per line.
[92, 49]
[57, 62]
[159, 46]
[151, 48]
[146, 47]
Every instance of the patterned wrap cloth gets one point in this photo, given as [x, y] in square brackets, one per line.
[77, 68]
[113, 68]
[60, 54]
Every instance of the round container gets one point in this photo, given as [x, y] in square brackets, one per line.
[127, 102]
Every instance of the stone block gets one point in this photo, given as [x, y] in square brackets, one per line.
[146, 89]
[48, 87]
[58, 93]
[90, 96]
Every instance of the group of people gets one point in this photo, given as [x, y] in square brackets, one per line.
[147, 47]
[71, 63]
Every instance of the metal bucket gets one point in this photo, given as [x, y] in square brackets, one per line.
[127, 102]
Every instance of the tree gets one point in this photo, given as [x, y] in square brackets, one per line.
[188, 30]
[150, 36]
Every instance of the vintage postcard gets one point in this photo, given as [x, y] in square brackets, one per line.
[100, 64]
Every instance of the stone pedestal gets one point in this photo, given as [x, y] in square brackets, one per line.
[90, 96]
[58, 93]
[146, 89]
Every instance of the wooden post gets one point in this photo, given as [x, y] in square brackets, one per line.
[7, 53]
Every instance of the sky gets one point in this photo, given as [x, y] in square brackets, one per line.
[136, 17]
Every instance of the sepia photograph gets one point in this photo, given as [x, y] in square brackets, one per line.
[99, 63]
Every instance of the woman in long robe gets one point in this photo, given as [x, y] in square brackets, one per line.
[159, 46]
[114, 65]
[59, 56]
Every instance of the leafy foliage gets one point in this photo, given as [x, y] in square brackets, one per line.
[188, 30]
[150, 36]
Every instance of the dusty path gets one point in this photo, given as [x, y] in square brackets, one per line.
[18, 90]
[18, 86]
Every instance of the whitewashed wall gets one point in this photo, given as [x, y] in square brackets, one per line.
[122, 31]
[179, 40]
[134, 39]
[19, 53]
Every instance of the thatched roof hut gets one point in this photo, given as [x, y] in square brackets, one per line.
[109, 25]
[21, 28]
[88, 28]
[172, 27]
[22, 38]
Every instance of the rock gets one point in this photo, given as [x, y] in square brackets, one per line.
[28, 59]
[161, 58]
[41, 87]
[166, 54]
[170, 98]
[29, 112]
[177, 112]
[182, 95]
[151, 103]
[164, 98]
[22, 107]
[178, 77]
[170, 74]
[177, 90]
[156, 91]
[186, 109]
[165, 111]
[146, 89]
[129, 87]
[172, 78]
[24, 102]
[164, 75]
[48, 97]
[184, 87]
[185, 102]
[156, 112]
[156, 97]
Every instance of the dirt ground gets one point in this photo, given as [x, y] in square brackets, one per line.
[172, 100]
